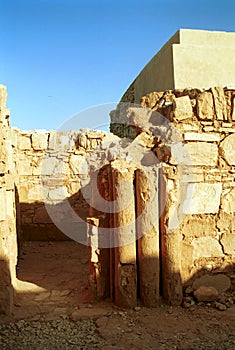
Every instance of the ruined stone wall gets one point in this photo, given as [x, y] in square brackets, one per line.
[8, 234]
[52, 167]
[178, 148]
[194, 141]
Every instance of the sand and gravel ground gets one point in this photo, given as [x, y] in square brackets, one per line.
[52, 311]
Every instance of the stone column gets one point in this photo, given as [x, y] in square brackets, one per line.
[98, 234]
[148, 236]
[125, 274]
[99, 263]
[171, 241]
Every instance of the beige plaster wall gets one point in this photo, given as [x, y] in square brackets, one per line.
[191, 58]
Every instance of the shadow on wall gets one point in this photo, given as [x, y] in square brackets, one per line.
[37, 225]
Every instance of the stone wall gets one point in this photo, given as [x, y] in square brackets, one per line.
[52, 167]
[174, 161]
[194, 141]
[8, 235]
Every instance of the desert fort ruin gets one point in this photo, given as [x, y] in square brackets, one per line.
[152, 204]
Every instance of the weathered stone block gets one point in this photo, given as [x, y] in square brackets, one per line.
[206, 247]
[227, 149]
[182, 108]
[37, 166]
[205, 106]
[39, 141]
[228, 201]
[227, 130]
[195, 136]
[220, 282]
[62, 167]
[190, 127]
[48, 166]
[228, 243]
[78, 164]
[202, 198]
[226, 222]
[200, 153]
[24, 142]
[58, 194]
[219, 103]
[25, 167]
[205, 294]
[139, 117]
[35, 192]
[199, 226]
[59, 141]
[208, 128]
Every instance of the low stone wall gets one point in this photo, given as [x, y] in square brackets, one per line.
[194, 141]
[8, 235]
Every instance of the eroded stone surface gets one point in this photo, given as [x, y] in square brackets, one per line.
[227, 148]
[228, 201]
[219, 103]
[182, 108]
[39, 141]
[220, 282]
[205, 294]
[78, 164]
[206, 247]
[205, 106]
[228, 243]
[195, 136]
[200, 153]
[202, 198]
[24, 142]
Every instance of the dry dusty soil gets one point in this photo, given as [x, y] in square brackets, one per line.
[114, 329]
[52, 311]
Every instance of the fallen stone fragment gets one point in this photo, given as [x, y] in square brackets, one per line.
[205, 294]
[188, 290]
[137, 308]
[220, 306]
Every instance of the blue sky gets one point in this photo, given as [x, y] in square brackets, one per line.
[60, 57]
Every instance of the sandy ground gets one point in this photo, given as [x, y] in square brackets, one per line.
[52, 311]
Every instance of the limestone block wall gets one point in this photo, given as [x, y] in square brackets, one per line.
[8, 234]
[194, 141]
[53, 167]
